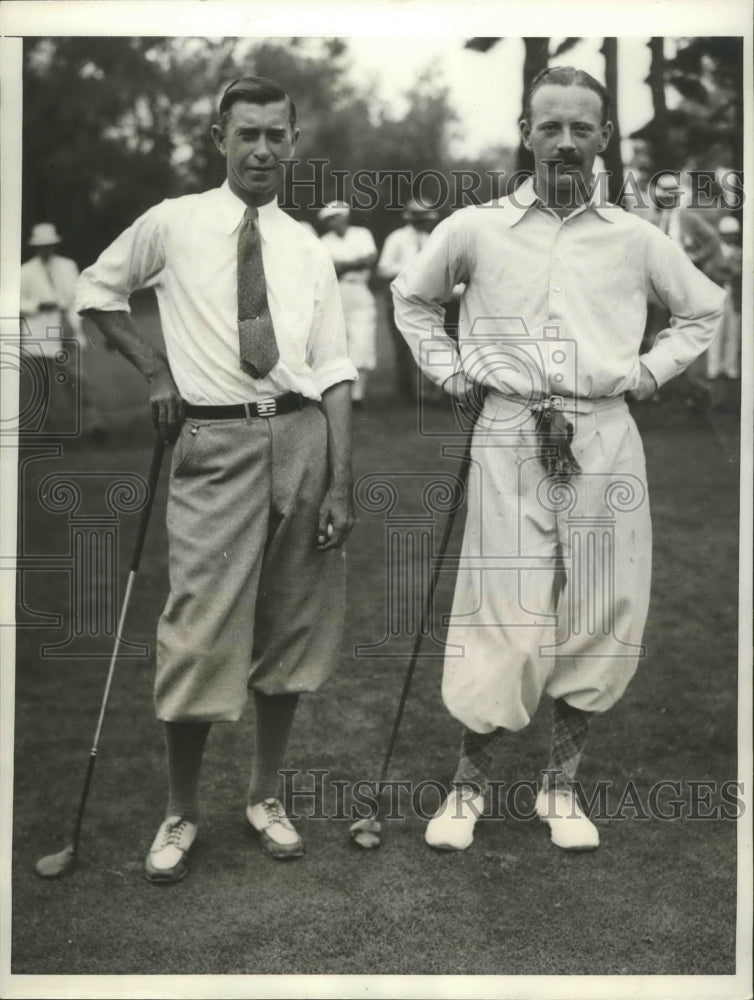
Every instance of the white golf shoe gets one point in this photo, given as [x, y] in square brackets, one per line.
[166, 859]
[570, 828]
[452, 826]
[277, 834]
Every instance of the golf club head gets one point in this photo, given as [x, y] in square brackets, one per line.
[57, 865]
[367, 833]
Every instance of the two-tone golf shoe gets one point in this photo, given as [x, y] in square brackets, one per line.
[166, 860]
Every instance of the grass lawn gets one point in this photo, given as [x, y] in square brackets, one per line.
[658, 897]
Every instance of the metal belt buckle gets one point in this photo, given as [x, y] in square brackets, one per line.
[267, 407]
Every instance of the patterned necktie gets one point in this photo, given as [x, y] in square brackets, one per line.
[258, 347]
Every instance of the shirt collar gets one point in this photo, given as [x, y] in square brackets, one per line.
[525, 198]
[232, 210]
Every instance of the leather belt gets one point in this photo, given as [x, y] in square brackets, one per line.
[272, 406]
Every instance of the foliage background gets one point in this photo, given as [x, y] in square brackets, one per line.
[113, 125]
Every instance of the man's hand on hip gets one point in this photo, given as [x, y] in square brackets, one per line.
[336, 518]
[167, 407]
[647, 385]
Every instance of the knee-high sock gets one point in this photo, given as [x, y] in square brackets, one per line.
[185, 743]
[569, 729]
[477, 754]
[274, 720]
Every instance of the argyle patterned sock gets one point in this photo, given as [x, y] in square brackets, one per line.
[569, 729]
[477, 754]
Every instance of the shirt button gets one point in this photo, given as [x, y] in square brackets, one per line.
[556, 288]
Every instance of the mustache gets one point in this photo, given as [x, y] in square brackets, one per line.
[563, 161]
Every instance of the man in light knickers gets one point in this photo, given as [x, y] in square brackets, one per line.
[553, 585]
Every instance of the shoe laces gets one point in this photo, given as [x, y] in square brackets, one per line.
[171, 835]
[276, 814]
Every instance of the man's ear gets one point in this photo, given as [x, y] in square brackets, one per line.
[294, 140]
[218, 137]
[605, 132]
[524, 129]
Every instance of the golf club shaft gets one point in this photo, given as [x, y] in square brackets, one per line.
[463, 475]
[154, 475]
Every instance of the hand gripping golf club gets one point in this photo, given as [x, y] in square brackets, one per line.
[367, 832]
[64, 862]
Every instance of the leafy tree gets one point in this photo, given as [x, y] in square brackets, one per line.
[705, 129]
[113, 125]
[708, 74]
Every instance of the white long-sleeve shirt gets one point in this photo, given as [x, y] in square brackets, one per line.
[553, 306]
[49, 283]
[187, 248]
[357, 242]
[399, 249]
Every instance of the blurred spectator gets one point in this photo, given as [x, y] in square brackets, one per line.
[400, 248]
[686, 226]
[48, 289]
[353, 252]
[724, 352]
[666, 207]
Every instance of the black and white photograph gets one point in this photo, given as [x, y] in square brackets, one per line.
[376, 461]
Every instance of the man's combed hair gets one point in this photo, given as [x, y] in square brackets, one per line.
[567, 76]
[254, 90]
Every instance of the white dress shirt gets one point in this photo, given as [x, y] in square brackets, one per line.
[186, 248]
[554, 306]
[399, 249]
[357, 242]
[50, 282]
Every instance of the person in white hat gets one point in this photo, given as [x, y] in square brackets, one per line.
[353, 253]
[48, 292]
[724, 353]
[399, 249]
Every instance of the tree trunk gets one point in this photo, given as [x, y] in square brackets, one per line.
[536, 56]
[656, 80]
[612, 157]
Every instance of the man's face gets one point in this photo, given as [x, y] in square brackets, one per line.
[565, 128]
[255, 140]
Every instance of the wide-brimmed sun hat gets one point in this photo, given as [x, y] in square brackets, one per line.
[332, 209]
[44, 235]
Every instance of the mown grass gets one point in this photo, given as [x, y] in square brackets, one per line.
[657, 898]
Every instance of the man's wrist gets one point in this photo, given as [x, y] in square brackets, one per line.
[644, 368]
[157, 369]
[341, 483]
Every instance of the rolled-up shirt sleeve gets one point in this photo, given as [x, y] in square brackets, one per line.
[132, 261]
[695, 304]
[327, 350]
[418, 296]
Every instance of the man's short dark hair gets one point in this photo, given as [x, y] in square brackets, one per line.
[254, 90]
[567, 76]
